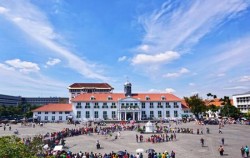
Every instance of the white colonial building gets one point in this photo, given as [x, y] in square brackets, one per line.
[242, 101]
[53, 112]
[94, 104]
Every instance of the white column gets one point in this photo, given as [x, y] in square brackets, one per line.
[133, 115]
[125, 116]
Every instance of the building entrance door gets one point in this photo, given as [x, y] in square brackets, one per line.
[129, 116]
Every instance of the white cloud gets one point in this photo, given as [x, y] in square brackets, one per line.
[143, 47]
[155, 59]
[170, 90]
[23, 66]
[191, 84]
[167, 90]
[53, 62]
[176, 74]
[233, 53]
[14, 82]
[34, 23]
[221, 75]
[123, 58]
[3, 10]
[172, 27]
[244, 79]
[236, 88]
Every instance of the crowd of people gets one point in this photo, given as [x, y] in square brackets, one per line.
[119, 154]
[156, 138]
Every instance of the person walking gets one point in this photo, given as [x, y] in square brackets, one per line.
[202, 142]
[242, 150]
[247, 151]
[220, 132]
[222, 141]
[221, 150]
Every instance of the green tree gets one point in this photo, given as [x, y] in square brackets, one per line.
[247, 115]
[213, 108]
[12, 147]
[196, 105]
[228, 109]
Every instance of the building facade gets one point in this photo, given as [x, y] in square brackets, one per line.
[8, 100]
[242, 102]
[53, 112]
[91, 104]
[81, 88]
[44, 100]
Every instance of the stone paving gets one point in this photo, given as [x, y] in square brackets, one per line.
[186, 145]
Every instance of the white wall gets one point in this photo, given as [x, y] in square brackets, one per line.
[57, 114]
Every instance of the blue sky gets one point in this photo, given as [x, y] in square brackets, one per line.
[183, 47]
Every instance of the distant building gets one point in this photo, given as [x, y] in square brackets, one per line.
[9, 100]
[242, 101]
[44, 100]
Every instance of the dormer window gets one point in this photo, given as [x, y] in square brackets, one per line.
[163, 98]
[109, 98]
[147, 98]
[92, 98]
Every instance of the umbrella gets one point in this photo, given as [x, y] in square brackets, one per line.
[120, 153]
[46, 146]
[58, 148]
[132, 121]
[140, 150]
[150, 151]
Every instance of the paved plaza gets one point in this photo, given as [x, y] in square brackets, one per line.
[186, 145]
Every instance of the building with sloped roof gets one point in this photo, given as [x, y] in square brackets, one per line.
[97, 101]
[79, 88]
[53, 112]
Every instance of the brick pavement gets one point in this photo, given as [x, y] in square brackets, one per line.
[186, 145]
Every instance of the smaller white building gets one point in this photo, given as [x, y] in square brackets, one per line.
[242, 101]
[53, 112]
[149, 127]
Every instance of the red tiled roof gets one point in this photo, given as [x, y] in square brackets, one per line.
[117, 96]
[54, 107]
[91, 85]
[216, 102]
[184, 104]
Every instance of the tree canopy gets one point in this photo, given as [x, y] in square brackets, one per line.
[228, 109]
[196, 104]
[13, 147]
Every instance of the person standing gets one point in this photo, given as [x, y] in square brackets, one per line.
[221, 150]
[242, 150]
[247, 150]
[173, 154]
[222, 141]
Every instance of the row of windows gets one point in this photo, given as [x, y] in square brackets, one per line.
[243, 106]
[53, 112]
[96, 106]
[53, 118]
[159, 114]
[96, 114]
[105, 114]
[244, 109]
